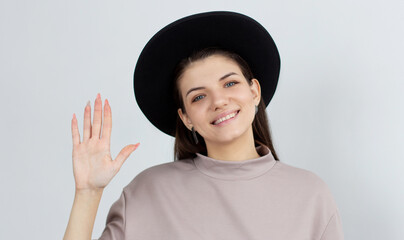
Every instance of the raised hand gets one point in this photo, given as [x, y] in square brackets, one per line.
[93, 167]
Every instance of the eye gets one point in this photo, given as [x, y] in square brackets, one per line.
[229, 84]
[197, 98]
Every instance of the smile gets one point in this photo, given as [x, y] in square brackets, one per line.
[220, 120]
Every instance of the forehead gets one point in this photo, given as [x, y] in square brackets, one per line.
[208, 69]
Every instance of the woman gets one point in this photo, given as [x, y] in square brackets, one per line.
[206, 80]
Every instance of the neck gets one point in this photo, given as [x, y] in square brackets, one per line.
[236, 150]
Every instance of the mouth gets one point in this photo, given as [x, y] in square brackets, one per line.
[225, 118]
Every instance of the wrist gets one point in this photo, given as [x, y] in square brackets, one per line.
[89, 192]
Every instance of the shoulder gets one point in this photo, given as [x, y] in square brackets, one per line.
[302, 181]
[305, 189]
[162, 173]
[296, 174]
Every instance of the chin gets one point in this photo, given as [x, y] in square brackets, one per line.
[232, 136]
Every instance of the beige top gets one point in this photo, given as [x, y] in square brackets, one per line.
[205, 198]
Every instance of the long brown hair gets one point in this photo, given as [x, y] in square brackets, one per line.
[185, 146]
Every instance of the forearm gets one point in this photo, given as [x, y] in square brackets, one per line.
[82, 216]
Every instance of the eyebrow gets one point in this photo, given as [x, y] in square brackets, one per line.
[220, 79]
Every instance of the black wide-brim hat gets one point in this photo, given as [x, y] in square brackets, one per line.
[153, 76]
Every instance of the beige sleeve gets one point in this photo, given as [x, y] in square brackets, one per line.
[115, 225]
[333, 231]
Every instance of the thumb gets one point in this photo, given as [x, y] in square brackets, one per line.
[124, 154]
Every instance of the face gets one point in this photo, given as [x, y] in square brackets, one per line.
[219, 102]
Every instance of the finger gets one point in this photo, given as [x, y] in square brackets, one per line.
[96, 128]
[87, 122]
[124, 154]
[75, 131]
[107, 126]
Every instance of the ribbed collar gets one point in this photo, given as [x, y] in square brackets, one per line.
[236, 170]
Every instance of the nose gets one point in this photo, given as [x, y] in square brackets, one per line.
[219, 100]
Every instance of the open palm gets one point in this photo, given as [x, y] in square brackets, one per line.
[93, 166]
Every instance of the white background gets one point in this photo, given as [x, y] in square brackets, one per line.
[338, 109]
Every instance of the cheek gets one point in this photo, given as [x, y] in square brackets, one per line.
[194, 112]
[245, 96]
[246, 99]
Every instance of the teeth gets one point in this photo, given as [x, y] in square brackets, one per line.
[224, 118]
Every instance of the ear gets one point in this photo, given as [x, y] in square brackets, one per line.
[256, 91]
[185, 119]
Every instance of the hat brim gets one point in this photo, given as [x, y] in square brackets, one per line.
[153, 76]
